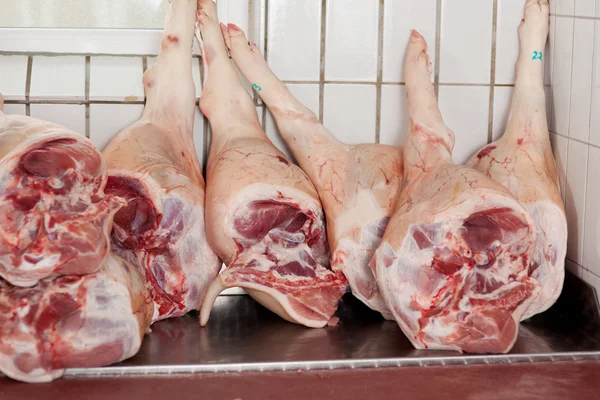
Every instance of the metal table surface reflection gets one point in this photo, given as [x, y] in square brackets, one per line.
[242, 335]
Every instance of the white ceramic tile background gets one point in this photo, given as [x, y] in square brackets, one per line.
[343, 58]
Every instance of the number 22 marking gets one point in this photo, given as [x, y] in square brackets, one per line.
[537, 55]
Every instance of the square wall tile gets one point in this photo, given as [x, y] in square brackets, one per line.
[107, 120]
[502, 102]
[70, 116]
[573, 267]
[564, 7]
[591, 238]
[510, 13]
[18, 109]
[294, 39]
[575, 198]
[466, 48]
[351, 40]
[581, 83]
[400, 17]
[307, 94]
[116, 78]
[465, 110]
[561, 75]
[350, 112]
[591, 277]
[58, 78]
[257, 29]
[560, 146]
[13, 77]
[233, 12]
[394, 115]
[595, 120]
[199, 134]
[585, 8]
[196, 75]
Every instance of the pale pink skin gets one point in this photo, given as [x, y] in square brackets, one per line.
[359, 185]
[522, 160]
[163, 230]
[244, 171]
[56, 217]
[73, 321]
[453, 263]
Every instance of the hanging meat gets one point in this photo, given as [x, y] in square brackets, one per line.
[153, 165]
[56, 219]
[73, 321]
[522, 160]
[359, 185]
[453, 262]
[264, 217]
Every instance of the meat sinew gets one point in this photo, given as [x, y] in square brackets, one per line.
[264, 217]
[153, 165]
[73, 321]
[453, 262]
[359, 185]
[522, 160]
[56, 219]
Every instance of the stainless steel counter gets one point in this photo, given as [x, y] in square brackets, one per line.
[243, 336]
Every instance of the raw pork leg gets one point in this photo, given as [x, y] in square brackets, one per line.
[73, 321]
[264, 217]
[522, 160]
[359, 185]
[55, 217]
[153, 164]
[453, 262]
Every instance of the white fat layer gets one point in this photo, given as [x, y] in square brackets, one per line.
[551, 244]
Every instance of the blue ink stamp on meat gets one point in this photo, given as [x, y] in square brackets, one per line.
[256, 87]
[537, 55]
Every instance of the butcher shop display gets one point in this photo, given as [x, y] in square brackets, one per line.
[97, 246]
[359, 185]
[153, 165]
[263, 215]
[522, 161]
[56, 219]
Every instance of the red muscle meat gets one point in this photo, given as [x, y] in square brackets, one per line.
[154, 166]
[73, 321]
[56, 219]
[264, 217]
[453, 262]
[358, 184]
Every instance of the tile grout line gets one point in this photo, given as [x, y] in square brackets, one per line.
[492, 72]
[379, 72]
[28, 86]
[322, 60]
[583, 267]
[438, 47]
[88, 63]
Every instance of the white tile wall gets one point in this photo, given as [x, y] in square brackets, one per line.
[466, 111]
[581, 82]
[466, 42]
[58, 78]
[71, 116]
[116, 78]
[294, 39]
[13, 77]
[352, 42]
[350, 112]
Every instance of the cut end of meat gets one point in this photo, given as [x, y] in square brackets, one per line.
[462, 284]
[215, 288]
[57, 218]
